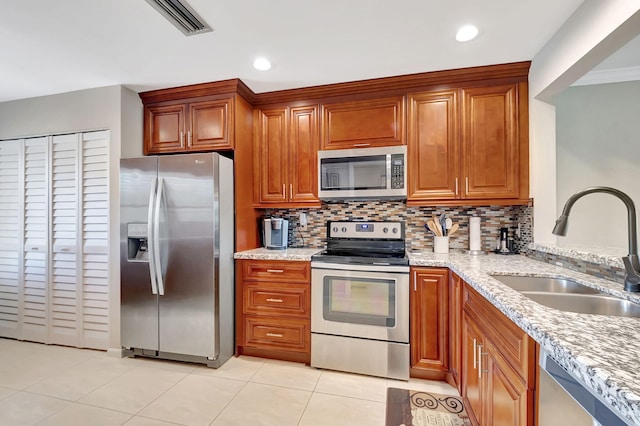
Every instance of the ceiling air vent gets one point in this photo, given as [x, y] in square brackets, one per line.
[181, 15]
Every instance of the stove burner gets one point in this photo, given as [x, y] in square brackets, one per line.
[347, 243]
[354, 259]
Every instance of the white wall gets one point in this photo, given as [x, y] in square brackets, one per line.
[115, 108]
[598, 144]
[596, 30]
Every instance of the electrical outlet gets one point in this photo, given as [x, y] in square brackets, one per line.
[303, 221]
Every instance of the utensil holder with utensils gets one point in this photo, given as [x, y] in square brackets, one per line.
[441, 244]
[442, 228]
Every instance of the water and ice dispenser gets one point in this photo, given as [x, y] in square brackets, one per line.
[137, 242]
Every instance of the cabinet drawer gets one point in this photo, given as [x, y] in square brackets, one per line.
[276, 271]
[281, 299]
[516, 347]
[266, 333]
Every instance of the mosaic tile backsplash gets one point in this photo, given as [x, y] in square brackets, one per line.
[591, 268]
[518, 219]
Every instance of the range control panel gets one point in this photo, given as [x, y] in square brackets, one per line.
[368, 230]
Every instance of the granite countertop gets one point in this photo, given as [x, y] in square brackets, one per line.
[298, 254]
[603, 255]
[603, 351]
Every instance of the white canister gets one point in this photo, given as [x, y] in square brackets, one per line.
[440, 244]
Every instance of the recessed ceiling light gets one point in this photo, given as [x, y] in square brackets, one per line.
[262, 64]
[466, 33]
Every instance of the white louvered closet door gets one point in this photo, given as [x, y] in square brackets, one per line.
[34, 315]
[10, 236]
[63, 284]
[95, 239]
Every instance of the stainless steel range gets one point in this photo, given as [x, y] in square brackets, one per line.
[360, 300]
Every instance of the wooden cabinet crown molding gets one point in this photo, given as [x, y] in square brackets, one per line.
[511, 72]
[224, 87]
[516, 71]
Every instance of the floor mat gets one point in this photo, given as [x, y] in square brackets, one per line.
[417, 408]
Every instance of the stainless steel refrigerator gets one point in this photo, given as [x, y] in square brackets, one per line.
[176, 257]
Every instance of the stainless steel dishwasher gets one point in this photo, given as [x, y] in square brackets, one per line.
[563, 400]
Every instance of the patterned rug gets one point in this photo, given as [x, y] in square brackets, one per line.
[416, 408]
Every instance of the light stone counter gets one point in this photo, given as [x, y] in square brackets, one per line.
[603, 351]
[298, 254]
[602, 255]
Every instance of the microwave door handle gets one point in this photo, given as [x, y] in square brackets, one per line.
[389, 171]
[151, 238]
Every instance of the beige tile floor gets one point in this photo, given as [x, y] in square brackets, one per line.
[53, 385]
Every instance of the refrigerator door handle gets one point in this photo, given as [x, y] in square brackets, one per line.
[156, 239]
[151, 238]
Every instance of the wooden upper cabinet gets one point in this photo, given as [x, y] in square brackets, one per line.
[164, 128]
[433, 146]
[172, 127]
[286, 156]
[211, 125]
[490, 142]
[468, 145]
[361, 124]
[303, 154]
[272, 155]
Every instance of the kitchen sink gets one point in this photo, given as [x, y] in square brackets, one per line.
[546, 284]
[599, 304]
[568, 295]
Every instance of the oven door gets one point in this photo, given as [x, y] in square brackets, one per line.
[364, 301]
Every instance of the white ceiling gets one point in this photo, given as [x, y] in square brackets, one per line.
[49, 47]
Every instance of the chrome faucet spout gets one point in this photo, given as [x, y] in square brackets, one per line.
[631, 262]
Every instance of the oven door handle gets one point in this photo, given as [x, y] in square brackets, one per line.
[357, 267]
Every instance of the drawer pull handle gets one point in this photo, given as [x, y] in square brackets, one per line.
[274, 335]
[359, 145]
[275, 271]
[274, 300]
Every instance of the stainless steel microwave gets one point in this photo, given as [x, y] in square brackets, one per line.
[366, 173]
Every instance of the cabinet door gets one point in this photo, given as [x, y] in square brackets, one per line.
[94, 197]
[490, 145]
[507, 397]
[11, 214]
[303, 155]
[429, 320]
[472, 381]
[211, 126]
[272, 173]
[64, 292]
[35, 309]
[360, 124]
[164, 129]
[433, 145]
[455, 328]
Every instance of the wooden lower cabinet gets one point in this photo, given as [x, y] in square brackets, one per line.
[472, 380]
[429, 323]
[507, 397]
[455, 330]
[498, 365]
[273, 309]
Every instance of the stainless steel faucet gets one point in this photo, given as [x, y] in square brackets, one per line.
[631, 264]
